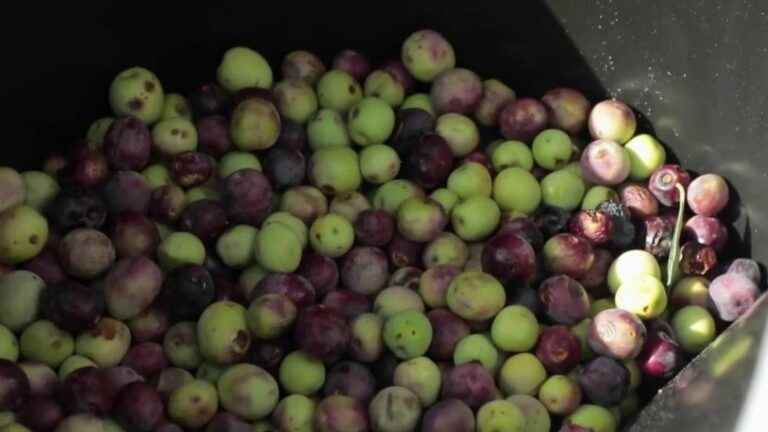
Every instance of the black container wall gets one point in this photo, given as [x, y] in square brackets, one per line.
[696, 70]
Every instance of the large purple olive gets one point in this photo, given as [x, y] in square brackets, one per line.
[248, 196]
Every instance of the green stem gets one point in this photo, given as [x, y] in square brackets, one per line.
[673, 263]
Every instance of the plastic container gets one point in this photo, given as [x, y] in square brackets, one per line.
[697, 71]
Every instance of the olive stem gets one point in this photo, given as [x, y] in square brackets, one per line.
[673, 263]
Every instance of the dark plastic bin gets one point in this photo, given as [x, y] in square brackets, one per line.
[696, 71]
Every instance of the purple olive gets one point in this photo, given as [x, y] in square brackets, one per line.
[139, 407]
[558, 349]
[285, 167]
[42, 378]
[411, 124]
[616, 333]
[133, 234]
[127, 191]
[593, 225]
[663, 180]
[86, 253]
[639, 200]
[595, 277]
[348, 303]
[118, 377]
[341, 413]
[191, 168]
[146, 358]
[86, 169]
[14, 385]
[448, 415]
[568, 254]
[525, 227]
[746, 267]
[166, 203]
[605, 162]
[322, 332]
[187, 292]
[707, 231]
[213, 135]
[397, 69]
[248, 196]
[128, 144]
[269, 354]
[604, 381]
[707, 194]
[374, 227]
[430, 161]
[523, 119]
[87, 391]
[297, 288]
[353, 63]
[433, 284]
[41, 413]
[471, 383]
[302, 65]
[131, 286]
[293, 136]
[564, 300]
[365, 270]
[72, 306]
[46, 265]
[350, 379]
[403, 252]
[448, 330]
[732, 295]
[509, 258]
[208, 99]
[205, 218]
[661, 356]
[456, 90]
[321, 271]
[568, 109]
